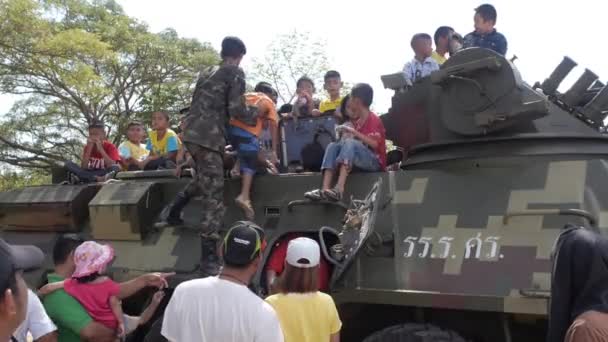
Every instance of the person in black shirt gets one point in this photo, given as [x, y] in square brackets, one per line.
[485, 35]
[579, 287]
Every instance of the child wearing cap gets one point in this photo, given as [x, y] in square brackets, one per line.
[275, 265]
[97, 293]
[305, 314]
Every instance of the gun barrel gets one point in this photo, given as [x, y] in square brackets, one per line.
[562, 70]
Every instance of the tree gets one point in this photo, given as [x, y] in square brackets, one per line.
[75, 61]
[289, 57]
[14, 180]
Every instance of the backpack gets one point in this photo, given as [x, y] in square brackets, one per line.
[313, 153]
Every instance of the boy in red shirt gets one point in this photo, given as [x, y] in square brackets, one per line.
[366, 150]
[100, 159]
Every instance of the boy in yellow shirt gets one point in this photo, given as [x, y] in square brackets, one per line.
[333, 84]
[163, 144]
[443, 36]
[132, 152]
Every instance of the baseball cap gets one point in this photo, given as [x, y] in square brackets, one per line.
[17, 258]
[303, 252]
[243, 243]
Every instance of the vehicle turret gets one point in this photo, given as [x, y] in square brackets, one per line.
[478, 96]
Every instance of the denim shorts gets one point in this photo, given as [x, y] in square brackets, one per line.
[247, 147]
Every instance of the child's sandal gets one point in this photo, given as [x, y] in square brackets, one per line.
[333, 195]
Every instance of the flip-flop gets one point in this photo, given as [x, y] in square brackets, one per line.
[333, 195]
[246, 206]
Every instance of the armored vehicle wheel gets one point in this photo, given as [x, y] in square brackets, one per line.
[411, 332]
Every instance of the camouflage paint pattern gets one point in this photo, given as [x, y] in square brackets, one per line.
[453, 231]
[428, 211]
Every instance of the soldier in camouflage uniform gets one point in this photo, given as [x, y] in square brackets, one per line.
[218, 96]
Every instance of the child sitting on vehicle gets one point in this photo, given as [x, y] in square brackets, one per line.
[97, 293]
[132, 152]
[333, 85]
[366, 151]
[100, 158]
[163, 143]
[423, 64]
[305, 104]
[344, 120]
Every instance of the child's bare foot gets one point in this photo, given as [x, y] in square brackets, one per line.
[246, 206]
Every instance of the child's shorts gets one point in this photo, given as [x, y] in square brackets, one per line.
[247, 147]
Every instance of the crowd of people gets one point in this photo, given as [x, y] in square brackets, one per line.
[80, 302]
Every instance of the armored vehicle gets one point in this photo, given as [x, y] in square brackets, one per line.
[454, 245]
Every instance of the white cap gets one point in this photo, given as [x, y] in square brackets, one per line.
[303, 253]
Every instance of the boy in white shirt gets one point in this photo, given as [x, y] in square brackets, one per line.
[423, 64]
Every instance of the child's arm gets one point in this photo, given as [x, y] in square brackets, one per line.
[50, 287]
[106, 158]
[117, 311]
[274, 134]
[181, 153]
[149, 158]
[86, 155]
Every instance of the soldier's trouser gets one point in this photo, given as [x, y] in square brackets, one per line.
[209, 184]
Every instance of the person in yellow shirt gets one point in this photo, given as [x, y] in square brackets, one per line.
[163, 144]
[442, 37]
[333, 84]
[132, 152]
[305, 313]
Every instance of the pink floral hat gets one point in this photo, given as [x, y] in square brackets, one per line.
[91, 257]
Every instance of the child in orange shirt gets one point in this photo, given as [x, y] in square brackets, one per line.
[244, 139]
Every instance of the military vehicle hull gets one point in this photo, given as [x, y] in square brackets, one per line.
[442, 242]
[454, 245]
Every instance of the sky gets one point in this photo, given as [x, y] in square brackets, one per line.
[367, 39]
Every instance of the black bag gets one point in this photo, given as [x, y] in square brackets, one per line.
[313, 153]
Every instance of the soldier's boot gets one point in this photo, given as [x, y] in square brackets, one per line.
[210, 261]
[180, 202]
